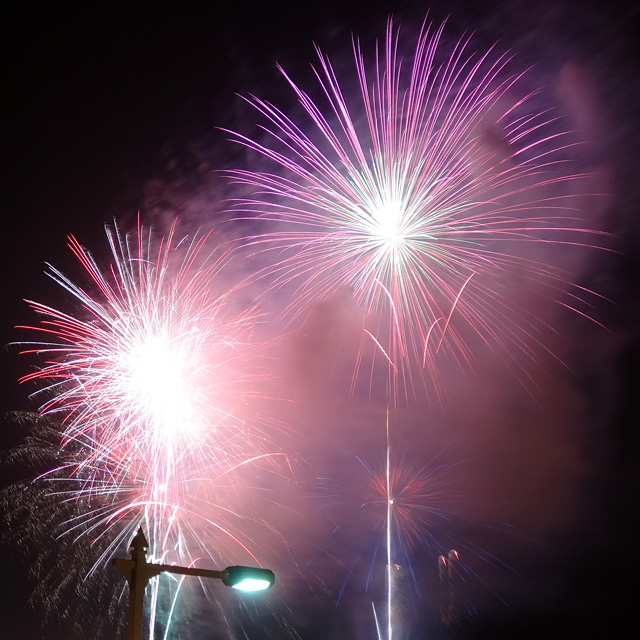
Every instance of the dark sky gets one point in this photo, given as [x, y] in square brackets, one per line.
[109, 110]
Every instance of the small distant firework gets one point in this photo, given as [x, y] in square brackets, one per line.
[154, 382]
[409, 496]
[395, 516]
[424, 195]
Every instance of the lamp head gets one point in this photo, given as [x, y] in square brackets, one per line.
[248, 578]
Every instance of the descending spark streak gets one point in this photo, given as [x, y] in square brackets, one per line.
[448, 173]
[384, 353]
[375, 618]
[453, 306]
[152, 380]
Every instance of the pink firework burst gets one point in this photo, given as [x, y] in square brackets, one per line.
[427, 194]
[156, 382]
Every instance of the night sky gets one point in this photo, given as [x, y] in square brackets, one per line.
[110, 110]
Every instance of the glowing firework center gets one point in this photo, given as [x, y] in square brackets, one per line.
[159, 375]
[389, 218]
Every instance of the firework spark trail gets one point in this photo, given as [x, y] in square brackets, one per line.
[426, 208]
[389, 533]
[150, 380]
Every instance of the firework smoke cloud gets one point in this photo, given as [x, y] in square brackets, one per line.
[351, 375]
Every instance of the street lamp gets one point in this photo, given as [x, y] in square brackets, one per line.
[138, 572]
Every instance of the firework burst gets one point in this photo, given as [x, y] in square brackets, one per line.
[408, 496]
[154, 382]
[425, 195]
[395, 519]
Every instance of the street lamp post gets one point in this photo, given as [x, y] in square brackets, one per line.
[138, 572]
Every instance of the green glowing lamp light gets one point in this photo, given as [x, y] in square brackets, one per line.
[248, 578]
